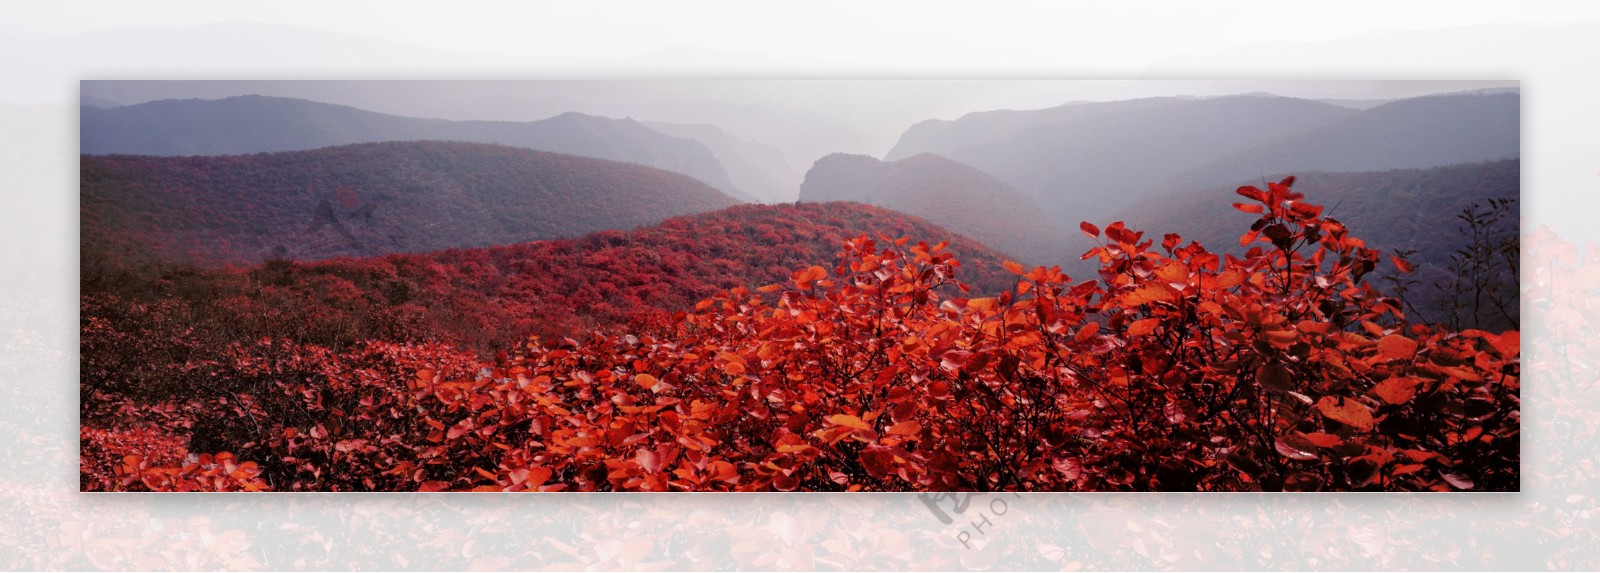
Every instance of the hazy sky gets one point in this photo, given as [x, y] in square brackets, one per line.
[819, 30]
[803, 118]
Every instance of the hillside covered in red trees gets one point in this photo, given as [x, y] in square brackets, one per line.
[491, 298]
[872, 368]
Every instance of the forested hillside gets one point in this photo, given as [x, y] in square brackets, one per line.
[364, 200]
[494, 297]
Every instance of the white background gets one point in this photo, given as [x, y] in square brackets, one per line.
[45, 48]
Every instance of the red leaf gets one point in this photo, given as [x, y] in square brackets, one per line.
[1070, 468]
[1296, 446]
[649, 460]
[1457, 480]
[1275, 377]
[878, 461]
[1092, 231]
[460, 429]
[1305, 211]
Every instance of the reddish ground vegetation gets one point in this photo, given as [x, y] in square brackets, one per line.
[1174, 369]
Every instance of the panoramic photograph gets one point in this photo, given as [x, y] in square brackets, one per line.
[800, 286]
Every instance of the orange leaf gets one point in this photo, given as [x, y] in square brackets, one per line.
[1508, 344]
[1087, 331]
[1148, 293]
[646, 381]
[1396, 390]
[906, 428]
[1143, 327]
[1281, 338]
[1346, 411]
[804, 278]
[1173, 272]
[1402, 264]
[1397, 346]
[849, 421]
[1014, 267]
[983, 304]
[1324, 440]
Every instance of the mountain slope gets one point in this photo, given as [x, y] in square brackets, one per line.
[758, 169]
[944, 137]
[1410, 133]
[96, 103]
[956, 196]
[254, 124]
[367, 199]
[1095, 165]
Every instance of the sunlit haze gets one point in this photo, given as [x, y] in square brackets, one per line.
[804, 118]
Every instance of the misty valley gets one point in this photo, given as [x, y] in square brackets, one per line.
[1244, 292]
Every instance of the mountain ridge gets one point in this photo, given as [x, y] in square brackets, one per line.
[255, 124]
[946, 192]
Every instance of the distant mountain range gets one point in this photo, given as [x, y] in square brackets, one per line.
[97, 103]
[758, 169]
[944, 137]
[1103, 157]
[366, 199]
[1084, 161]
[1397, 172]
[1411, 133]
[956, 196]
[256, 124]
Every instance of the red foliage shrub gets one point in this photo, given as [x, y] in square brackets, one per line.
[1177, 369]
[148, 460]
